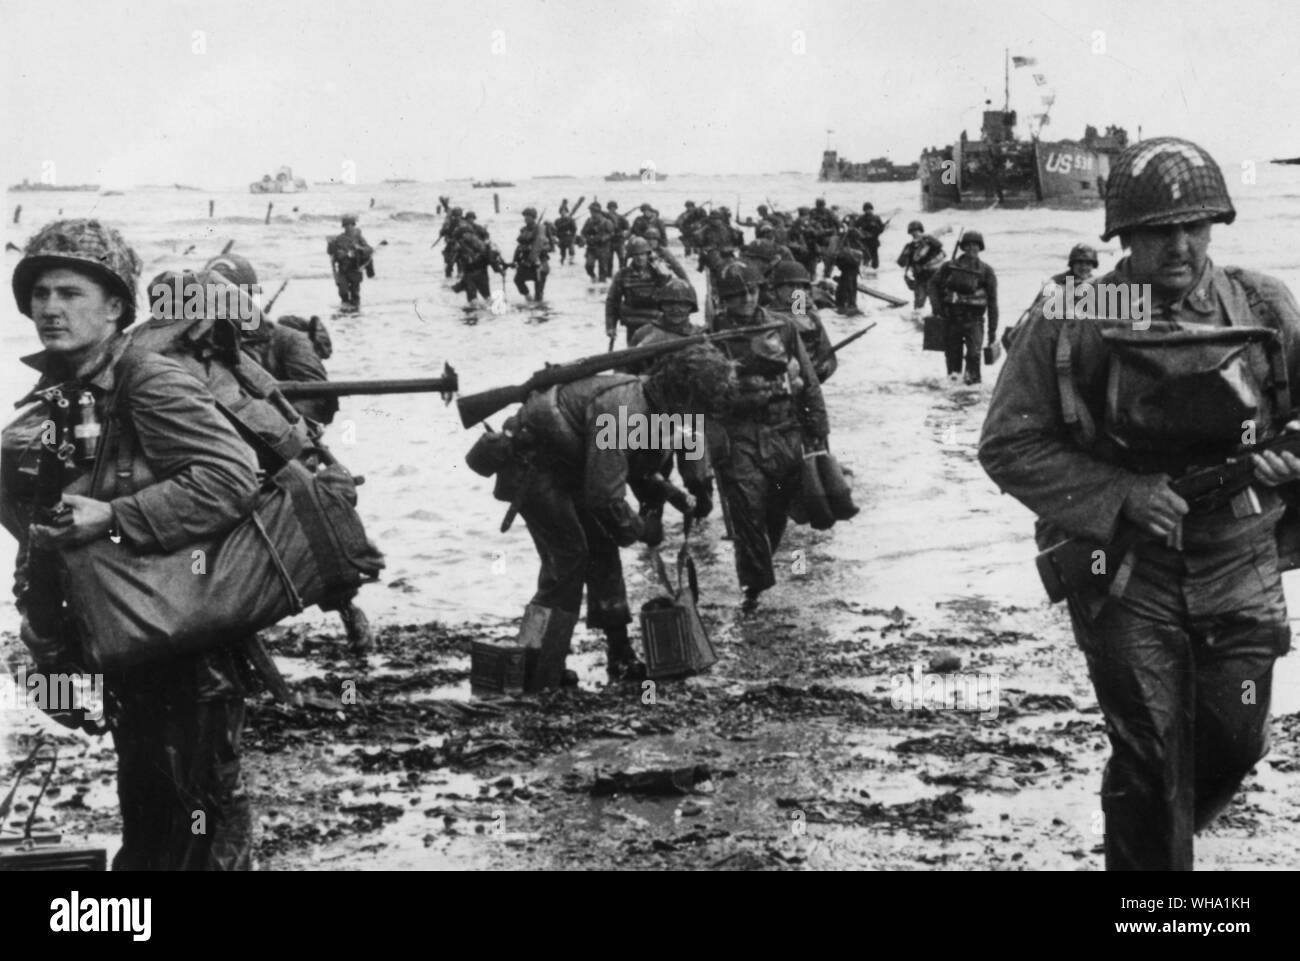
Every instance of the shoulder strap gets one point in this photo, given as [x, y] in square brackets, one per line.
[1266, 313]
[1075, 412]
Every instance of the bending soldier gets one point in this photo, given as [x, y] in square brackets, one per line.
[571, 489]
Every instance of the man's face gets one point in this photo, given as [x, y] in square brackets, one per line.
[73, 314]
[640, 261]
[916, 234]
[971, 250]
[784, 295]
[743, 305]
[677, 314]
[1081, 269]
[1169, 258]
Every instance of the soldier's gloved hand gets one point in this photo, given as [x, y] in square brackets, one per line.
[1153, 506]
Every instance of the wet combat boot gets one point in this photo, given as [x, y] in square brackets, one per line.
[621, 661]
[545, 634]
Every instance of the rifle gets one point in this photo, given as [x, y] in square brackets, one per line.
[880, 295]
[484, 404]
[271, 303]
[1072, 564]
[447, 385]
[852, 337]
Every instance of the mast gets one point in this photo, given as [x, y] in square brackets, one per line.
[1006, 68]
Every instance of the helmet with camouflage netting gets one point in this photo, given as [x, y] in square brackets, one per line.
[85, 245]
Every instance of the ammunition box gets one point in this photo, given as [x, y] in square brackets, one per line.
[49, 855]
[496, 667]
[666, 637]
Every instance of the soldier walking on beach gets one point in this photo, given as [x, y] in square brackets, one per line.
[351, 259]
[960, 293]
[1179, 612]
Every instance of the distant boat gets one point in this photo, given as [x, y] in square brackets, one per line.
[111, 193]
[617, 177]
[1289, 160]
[29, 187]
[880, 170]
[184, 187]
[491, 183]
[399, 180]
[284, 182]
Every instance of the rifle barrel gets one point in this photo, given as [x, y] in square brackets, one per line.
[348, 388]
[852, 337]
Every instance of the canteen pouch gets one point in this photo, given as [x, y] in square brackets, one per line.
[1189, 393]
[303, 544]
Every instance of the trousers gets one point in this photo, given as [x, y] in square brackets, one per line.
[177, 730]
[575, 552]
[963, 338]
[758, 468]
[1183, 669]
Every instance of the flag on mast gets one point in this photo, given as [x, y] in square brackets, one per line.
[1023, 61]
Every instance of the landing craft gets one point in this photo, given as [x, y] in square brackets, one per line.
[1005, 171]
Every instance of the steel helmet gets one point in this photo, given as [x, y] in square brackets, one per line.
[456, 211]
[348, 220]
[646, 208]
[867, 208]
[915, 225]
[972, 237]
[1084, 253]
[594, 207]
[471, 216]
[737, 278]
[530, 211]
[764, 230]
[84, 245]
[234, 268]
[789, 273]
[805, 210]
[652, 233]
[690, 203]
[638, 245]
[1166, 180]
[677, 291]
[820, 201]
[612, 205]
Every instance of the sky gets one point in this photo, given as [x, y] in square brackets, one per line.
[216, 94]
